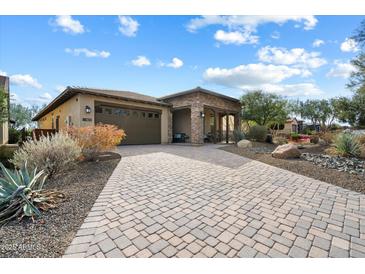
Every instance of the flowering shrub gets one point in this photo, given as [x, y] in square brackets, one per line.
[96, 139]
[52, 153]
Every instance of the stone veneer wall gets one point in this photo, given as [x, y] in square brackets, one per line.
[196, 102]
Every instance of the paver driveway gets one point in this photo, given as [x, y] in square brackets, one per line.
[181, 201]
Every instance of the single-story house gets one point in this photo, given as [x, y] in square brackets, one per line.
[198, 114]
[291, 125]
[4, 126]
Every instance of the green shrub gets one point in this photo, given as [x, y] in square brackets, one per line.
[257, 133]
[307, 131]
[347, 144]
[278, 140]
[238, 135]
[21, 194]
[314, 139]
[14, 135]
[6, 154]
[52, 154]
[294, 136]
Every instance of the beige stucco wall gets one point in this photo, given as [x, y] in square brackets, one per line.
[76, 108]
[70, 108]
[89, 100]
[181, 121]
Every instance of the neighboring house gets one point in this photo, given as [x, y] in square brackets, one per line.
[196, 113]
[4, 127]
[292, 126]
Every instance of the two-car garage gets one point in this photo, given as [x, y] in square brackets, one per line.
[142, 126]
[145, 119]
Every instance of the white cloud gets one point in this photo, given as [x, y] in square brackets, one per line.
[128, 26]
[342, 70]
[45, 96]
[300, 89]
[175, 63]
[25, 80]
[250, 74]
[349, 45]
[60, 88]
[235, 37]
[317, 43]
[3, 73]
[141, 61]
[275, 35]
[68, 24]
[245, 25]
[267, 77]
[88, 53]
[297, 56]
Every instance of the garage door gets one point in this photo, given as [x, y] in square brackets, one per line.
[142, 126]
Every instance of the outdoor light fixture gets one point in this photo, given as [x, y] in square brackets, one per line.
[87, 109]
[202, 114]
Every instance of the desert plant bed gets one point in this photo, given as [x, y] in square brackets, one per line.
[50, 235]
[262, 152]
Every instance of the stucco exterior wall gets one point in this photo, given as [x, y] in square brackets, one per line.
[70, 108]
[181, 121]
[87, 119]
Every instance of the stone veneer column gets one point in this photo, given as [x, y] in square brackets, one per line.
[197, 124]
[237, 121]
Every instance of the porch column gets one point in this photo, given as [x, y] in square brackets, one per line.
[197, 135]
[237, 121]
[227, 127]
[169, 126]
[215, 126]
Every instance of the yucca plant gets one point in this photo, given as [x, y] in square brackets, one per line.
[22, 194]
[348, 145]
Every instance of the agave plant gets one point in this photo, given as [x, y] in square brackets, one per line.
[22, 194]
[347, 144]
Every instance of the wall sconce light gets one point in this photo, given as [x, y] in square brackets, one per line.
[87, 109]
[202, 114]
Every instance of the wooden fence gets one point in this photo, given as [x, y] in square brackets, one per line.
[38, 132]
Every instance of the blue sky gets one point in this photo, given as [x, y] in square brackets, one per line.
[294, 56]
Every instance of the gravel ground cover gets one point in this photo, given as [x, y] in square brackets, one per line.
[261, 152]
[51, 235]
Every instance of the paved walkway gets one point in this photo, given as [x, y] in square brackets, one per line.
[181, 201]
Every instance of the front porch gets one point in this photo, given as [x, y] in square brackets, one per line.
[205, 125]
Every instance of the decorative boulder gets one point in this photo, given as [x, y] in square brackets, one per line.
[286, 151]
[244, 144]
[362, 151]
[322, 142]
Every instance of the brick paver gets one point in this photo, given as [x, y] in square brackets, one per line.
[182, 201]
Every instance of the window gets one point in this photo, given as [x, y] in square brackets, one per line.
[150, 115]
[135, 114]
[98, 109]
[126, 112]
[69, 120]
[118, 111]
[157, 115]
[107, 110]
[143, 114]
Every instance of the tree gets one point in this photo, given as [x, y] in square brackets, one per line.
[263, 108]
[321, 112]
[22, 115]
[4, 103]
[353, 110]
